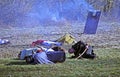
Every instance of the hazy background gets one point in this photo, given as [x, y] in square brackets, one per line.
[29, 13]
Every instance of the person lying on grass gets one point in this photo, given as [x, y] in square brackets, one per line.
[82, 50]
[41, 57]
[46, 56]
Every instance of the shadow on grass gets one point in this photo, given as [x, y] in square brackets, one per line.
[15, 59]
[17, 63]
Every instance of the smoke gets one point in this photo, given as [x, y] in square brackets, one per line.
[35, 12]
[57, 10]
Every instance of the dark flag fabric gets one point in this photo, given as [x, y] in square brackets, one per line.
[92, 22]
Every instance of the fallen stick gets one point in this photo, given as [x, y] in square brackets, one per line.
[82, 53]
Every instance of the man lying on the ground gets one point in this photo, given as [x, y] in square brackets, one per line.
[52, 54]
[40, 57]
[80, 49]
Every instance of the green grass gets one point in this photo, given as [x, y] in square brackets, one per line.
[107, 64]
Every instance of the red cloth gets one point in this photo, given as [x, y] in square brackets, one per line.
[39, 50]
[37, 42]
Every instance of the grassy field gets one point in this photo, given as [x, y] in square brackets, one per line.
[107, 64]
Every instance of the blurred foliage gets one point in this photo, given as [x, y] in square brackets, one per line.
[21, 5]
[13, 11]
[109, 8]
[26, 5]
